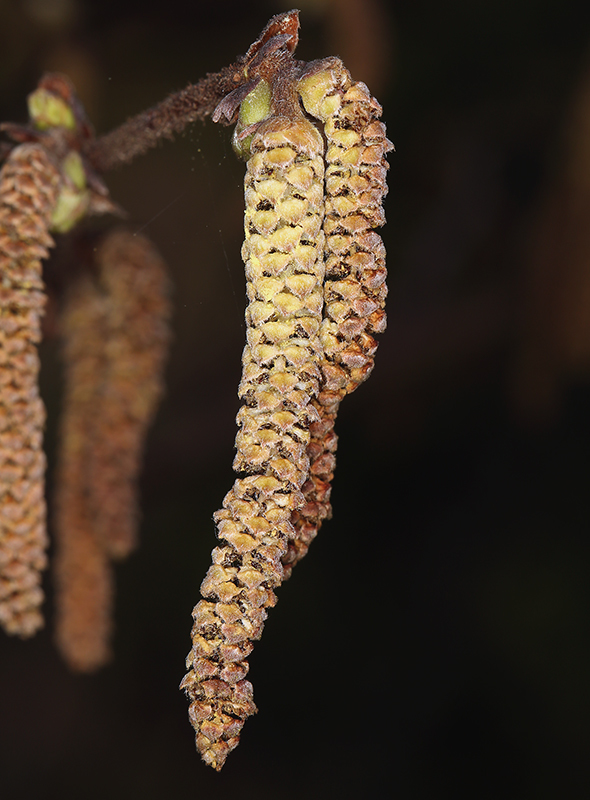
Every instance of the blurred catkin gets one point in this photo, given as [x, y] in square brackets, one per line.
[115, 341]
[283, 254]
[134, 280]
[354, 288]
[83, 574]
[29, 186]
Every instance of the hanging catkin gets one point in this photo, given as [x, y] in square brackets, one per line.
[354, 289]
[283, 254]
[115, 337]
[134, 279]
[83, 574]
[29, 186]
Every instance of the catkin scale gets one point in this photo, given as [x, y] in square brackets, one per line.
[283, 254]
[354, 288]
[29, 187]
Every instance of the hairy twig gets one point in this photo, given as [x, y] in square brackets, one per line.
[143, 132]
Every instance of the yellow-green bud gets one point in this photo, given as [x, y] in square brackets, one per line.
[47, 110]
[74, 198]
[73, 168]
[71, 206]
[255, 108]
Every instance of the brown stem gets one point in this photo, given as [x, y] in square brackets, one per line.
[142, 132]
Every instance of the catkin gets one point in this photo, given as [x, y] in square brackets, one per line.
[133, 278]
[115, 337]
[283, 254]
[83, 574]
[29, 186]
[355, 288]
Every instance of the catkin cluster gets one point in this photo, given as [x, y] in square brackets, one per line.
[315, 273]
[283, 254]
[29, 187]
[115, 342]
[355, 288]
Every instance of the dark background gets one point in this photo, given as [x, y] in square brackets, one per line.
[437, 638]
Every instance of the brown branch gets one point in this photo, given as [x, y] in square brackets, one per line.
[142, 132]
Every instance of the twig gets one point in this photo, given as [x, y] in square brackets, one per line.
[142, 132]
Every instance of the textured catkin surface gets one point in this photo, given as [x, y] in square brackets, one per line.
[134, 280]
[83, 574]
[283, 254]
[29, 185]
[355, 288]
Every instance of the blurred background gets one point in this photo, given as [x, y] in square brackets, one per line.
[436, 640]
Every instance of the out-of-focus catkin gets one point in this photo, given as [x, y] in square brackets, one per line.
[283, 254]
[83, 574]
[115, 340]
[134, 280]
[29, 187]
[355, 288]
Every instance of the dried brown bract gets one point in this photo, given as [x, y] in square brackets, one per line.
[29, 186]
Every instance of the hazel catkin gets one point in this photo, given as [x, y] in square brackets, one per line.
[133, 278]
[354, 288]
[29, 187]
[283, 254]
[83, 574]
[115, 335]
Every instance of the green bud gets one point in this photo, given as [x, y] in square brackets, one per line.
[254, 108]
[73, 168]
[47, 110]
[71, 206]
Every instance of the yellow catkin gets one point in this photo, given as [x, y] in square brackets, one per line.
[355, 288]
[283, 254]
[83, 574]
[134, 279]
[29, 186]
